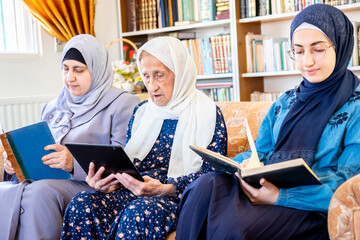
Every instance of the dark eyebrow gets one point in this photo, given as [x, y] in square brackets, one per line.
[312, 44]
[75, 67]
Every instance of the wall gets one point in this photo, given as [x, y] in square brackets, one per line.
[20, 77]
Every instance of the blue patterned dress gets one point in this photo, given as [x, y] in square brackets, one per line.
[121, 214]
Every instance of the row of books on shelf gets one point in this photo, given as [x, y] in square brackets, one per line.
[264, 96]
[268, 54]
[254, 8]
[212, 55]
[218, 92]
[152, 14]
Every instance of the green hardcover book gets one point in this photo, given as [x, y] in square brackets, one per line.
[25, 149]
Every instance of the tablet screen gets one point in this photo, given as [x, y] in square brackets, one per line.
[113, 158]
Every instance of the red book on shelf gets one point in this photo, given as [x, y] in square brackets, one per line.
[215, 54]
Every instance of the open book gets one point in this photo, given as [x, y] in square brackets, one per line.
[25, 149]
[286, 174]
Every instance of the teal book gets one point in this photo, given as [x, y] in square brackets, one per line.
[25, 149]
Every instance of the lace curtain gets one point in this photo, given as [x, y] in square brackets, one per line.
[63, 19]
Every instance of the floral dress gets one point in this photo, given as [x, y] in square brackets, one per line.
[123, 215]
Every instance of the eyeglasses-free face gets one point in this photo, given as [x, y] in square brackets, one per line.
[314, 55]
[159, 79]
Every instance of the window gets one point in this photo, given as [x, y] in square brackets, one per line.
[19, 33]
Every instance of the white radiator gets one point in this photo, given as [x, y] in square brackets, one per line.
[21, 111]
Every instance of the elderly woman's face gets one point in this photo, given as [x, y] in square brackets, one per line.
[159, 80]
[77, 77]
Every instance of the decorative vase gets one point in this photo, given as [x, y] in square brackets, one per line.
[128, 86]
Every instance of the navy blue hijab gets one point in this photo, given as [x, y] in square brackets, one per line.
[316, 102]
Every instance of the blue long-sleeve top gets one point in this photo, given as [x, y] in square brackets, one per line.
[337, 155]
[156, 163]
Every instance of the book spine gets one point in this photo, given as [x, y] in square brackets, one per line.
[131, 15]
[171, 19]
[154, 14]
[214, 54]
[180, 11]
[11, 156]
[243, 9]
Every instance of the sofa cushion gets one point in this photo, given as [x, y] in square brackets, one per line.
[234, 115]
[344, 211]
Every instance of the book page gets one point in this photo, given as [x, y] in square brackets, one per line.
[253, 161]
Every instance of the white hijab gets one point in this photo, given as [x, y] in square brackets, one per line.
[196, 113]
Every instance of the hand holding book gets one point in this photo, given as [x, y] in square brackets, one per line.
[25, 148]
[285, 174]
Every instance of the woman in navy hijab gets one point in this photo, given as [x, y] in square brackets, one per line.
[318, 122]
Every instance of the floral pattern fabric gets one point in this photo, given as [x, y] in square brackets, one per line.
[121, 214]
[344, 211]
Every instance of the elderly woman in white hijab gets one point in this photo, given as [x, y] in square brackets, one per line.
[88, 110]
[159, 134]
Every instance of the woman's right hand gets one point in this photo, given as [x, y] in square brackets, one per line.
[94, 180]
[7, 165]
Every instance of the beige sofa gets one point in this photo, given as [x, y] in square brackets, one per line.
[234, 114]
[344, 211]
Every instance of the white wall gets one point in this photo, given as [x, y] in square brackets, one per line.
[35, 76]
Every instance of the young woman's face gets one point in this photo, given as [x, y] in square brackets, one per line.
[315, 55]
[159, 79]
[77, 77]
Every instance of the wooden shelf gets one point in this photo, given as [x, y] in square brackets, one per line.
[214, 76]
[284, 73]
[284, 16]
[271, 74]
[355, 68]
[212, 24]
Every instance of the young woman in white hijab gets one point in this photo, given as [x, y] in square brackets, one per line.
[175, 116]
[88, 110]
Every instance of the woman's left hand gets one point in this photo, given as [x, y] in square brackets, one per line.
[62, 158]
[150, 187]
[268, 194]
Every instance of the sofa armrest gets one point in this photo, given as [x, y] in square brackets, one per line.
[344, 211]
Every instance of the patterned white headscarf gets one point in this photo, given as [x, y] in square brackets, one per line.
[196, 113]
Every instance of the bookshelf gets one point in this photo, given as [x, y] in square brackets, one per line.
[278, 25]
[242, 87]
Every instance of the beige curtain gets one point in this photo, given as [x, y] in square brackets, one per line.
[64, 19]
